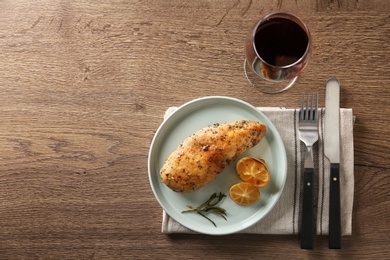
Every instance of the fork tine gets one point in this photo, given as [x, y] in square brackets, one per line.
[316, 111]
[313, 112]
[312, 107]
[302, 111]
[307, 108]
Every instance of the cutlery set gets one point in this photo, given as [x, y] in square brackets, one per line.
[308, 134]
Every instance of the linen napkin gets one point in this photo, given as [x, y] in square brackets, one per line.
[284, 218]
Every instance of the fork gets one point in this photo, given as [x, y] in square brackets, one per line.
[308, 134]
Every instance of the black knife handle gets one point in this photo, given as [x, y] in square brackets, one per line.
[307, 225]
[334, 207]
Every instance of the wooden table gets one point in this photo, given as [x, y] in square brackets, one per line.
[84, 86]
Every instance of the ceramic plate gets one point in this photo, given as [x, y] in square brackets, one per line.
[188, 119]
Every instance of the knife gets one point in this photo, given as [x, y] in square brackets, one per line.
[332, 152]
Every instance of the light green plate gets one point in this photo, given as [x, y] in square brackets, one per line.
[188, 119]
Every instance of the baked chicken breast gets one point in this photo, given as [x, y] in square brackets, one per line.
[201, 157]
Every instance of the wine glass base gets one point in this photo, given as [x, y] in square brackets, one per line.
[267, 86]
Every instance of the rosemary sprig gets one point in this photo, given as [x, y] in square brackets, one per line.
[210, 206]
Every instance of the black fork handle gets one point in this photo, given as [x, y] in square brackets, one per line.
[307, 225]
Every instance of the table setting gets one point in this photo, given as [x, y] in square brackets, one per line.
[277, 51]
[194, 129]
[288, 216]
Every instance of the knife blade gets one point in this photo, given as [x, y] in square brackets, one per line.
[332, 152]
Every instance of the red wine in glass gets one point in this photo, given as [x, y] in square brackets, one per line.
[277, 50]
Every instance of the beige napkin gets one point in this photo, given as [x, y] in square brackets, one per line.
[284, 218]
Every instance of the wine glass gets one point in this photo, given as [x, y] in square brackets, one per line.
[277, 49]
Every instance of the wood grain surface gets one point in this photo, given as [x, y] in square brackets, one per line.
[84, 86]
